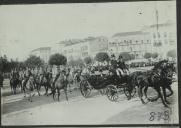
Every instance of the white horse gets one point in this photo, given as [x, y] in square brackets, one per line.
[29, 87]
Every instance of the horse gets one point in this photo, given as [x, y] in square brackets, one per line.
[60, 83]
[166, 81]
[156, 79]
[46, 81]
[37, 80]
[70, 79]
[14, 82]
[29, 87]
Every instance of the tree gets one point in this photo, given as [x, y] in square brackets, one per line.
[147, 55]
[88, 60]
[57, 59]
[34, 61]
[78, 62]
[126, 56]
[102, 56]
[154, 55]
[171, 53]
[4, 64]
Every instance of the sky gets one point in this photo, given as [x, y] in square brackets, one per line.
[26, 27]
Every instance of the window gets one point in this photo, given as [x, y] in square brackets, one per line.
[84, 48]
[154, 35]
[158, 35]
[84, 54]
[142, 41]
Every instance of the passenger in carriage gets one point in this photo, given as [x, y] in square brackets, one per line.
[121, 67]
[113, 62]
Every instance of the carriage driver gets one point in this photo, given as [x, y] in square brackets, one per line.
[121, 67]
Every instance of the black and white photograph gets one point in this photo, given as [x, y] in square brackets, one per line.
[107, 63]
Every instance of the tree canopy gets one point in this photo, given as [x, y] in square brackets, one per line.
[88, 60]
[3, 64]
[78, 62]
[34, 61]
[102, 56]
[57, 59]
[154, 55]
[172, 53]
[126, 56]
[147, 55]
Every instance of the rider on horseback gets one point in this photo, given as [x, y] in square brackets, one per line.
[28, 76]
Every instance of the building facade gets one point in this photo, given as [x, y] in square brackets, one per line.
[163, 37]
[136, 43]
[42, 52]
[80, 49]
[156, 38]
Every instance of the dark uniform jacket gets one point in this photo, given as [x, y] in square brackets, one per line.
[114, 64]
[121, 65]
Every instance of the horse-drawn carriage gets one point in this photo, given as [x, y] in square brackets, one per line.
[109, 84]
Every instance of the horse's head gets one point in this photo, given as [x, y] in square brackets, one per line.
[169, 70]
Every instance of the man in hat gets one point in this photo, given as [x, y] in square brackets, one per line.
[113, 62]
[121, 67]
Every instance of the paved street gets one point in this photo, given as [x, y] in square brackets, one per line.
[17, 110]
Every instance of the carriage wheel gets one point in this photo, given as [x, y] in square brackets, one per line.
[127, 90]
[85, 88]
[103, 91]
[112, 93]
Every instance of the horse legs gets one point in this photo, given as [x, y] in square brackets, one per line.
[47, 90]
[145, 92]
[160, 95]
[38, 89]
[30, 97]
[53, 92]
[58, 90]
[165, 96]
[65, 91]
[171, 91]
[140, 93]
[69, 88]
[14, 90]
[11, 89]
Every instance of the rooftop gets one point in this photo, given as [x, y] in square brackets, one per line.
[129, 33]
[76, 41]
[41, 48]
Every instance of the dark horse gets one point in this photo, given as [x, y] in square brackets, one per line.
[160, 77]
[14, 82]
[46, 81]
[60, 83]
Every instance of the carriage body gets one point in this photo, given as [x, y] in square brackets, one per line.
[107, 84]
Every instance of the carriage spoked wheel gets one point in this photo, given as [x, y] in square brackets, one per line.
[127, 92]
[85, 88]
[112, 93]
